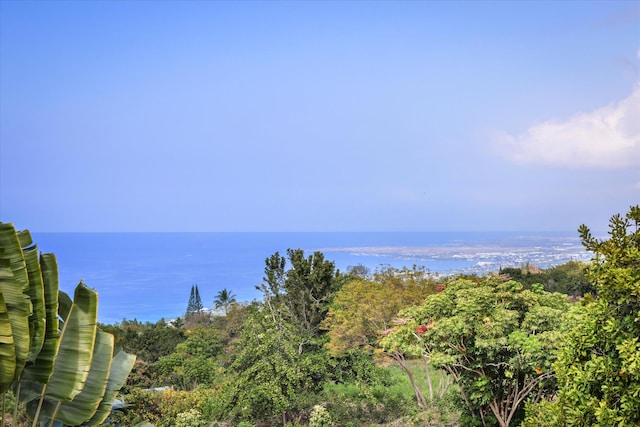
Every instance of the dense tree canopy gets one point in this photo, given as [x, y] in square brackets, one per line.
[149, 340]
[568, 278]
[269, 374]
[598, 366]
[495, 338]
[302, 293]
[311, 345]
[193, 362]
[363, 308]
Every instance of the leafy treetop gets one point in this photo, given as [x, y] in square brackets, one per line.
[598, 366]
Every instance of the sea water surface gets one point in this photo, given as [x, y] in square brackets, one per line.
[148, 276]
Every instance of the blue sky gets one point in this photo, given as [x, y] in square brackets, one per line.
[318, 116]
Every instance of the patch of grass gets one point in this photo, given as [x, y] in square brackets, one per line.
[417, 368]
[441, 410]
[392, 403]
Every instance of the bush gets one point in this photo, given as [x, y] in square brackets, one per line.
[320, 417]
[356, 366]
[191, 418]
[355, 404]
[165, 409]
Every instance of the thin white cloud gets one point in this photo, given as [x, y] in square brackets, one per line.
[608, 137]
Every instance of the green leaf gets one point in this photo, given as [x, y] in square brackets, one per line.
[41, 370]
[7, 348]
[14, 286]
[120, 369]
[77, 340]
[75, 352]
[36, 295]
[11, 251]
[85, 404]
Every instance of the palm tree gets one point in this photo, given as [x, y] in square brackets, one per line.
[224, 299]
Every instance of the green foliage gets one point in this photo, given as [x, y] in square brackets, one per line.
[166, 408]
[190, 418]
[568, 278]
[192, 363]
[598, 366]
[195, 302]
[82, 407]
[320, 417]
[357, 367]
[141, 406]
[495, 338]
[224, 299]
[280, 366]
[360, 404]
[61, 366]
[363, 308]
[150, 341]
[301, 293]
[358, 271]
[390, 399]
[270, 375]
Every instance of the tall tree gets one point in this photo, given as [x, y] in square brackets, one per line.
[192, 301]
[598, 366]
[270, 375]
[224, 299]
[195, 302]
[303, 292]
[198, 307]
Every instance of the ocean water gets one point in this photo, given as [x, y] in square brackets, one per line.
[148, 276]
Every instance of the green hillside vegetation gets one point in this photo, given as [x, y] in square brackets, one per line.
[400, 347]
[569, 278]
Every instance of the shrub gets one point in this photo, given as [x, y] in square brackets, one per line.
[191, 418]
[320, 417]
[165, 409]
[355, 404]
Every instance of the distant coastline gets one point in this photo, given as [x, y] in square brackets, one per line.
[148, 276]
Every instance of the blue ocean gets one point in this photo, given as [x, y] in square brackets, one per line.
[148, 276]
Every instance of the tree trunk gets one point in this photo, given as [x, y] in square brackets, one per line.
[495, 408]
[422, 403]
[429, 381]
[443, 385]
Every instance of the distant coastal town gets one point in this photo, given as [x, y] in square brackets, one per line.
[481, 259]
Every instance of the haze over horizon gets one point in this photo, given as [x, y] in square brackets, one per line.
[318, 116]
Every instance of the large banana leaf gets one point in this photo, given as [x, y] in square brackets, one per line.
[14, 285]
[84, 405]
[77, 340]
[120, 369]
[66, 359]
[73, 361]
[24, 237]
[11, 250]
[36, 295]
[7, 348]
[40, 371]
